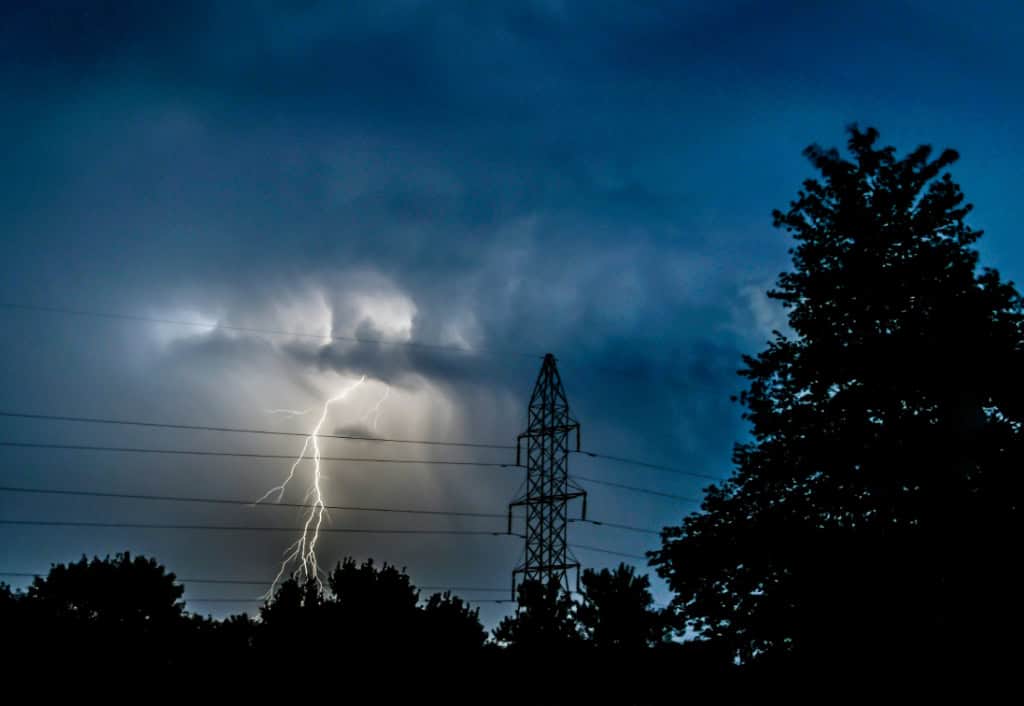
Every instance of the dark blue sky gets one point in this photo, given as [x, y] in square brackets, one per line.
[591, 178]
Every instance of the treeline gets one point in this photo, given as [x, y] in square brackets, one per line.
[134, 604]
[127, 613]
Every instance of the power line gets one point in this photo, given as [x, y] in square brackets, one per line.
[263, 331]
[239, 454]
[251, 528]
[645, 464]
[601, 550]
[249, 503]
[239, 430]
[636, 489]
[346, 437]
[614, 525]
[256, 582]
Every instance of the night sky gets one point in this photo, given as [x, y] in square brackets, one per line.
[594, 179]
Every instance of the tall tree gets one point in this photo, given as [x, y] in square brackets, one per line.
[618, 610]
[870, 515]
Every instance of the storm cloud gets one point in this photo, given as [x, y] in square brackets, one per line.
[488, 181]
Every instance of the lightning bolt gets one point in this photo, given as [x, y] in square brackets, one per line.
[375, 410]
[302, 553]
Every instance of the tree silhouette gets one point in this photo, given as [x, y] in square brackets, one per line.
[373, 605]
[8, 600]
[12, 618]
[448, 623]
[121, 610]
[545, 619]
[617, 610]
[367, 609]
[122, 591]
[294, 615]
[868, 520]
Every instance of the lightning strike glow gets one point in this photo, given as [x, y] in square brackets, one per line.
[302, 553]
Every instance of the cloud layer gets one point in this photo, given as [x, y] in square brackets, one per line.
[504, 178]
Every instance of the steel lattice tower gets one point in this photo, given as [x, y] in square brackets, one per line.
[548, 488]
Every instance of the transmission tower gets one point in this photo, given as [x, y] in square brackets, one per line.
[548, 488]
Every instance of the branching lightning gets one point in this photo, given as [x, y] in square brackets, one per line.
[375, 410]
[302, 553]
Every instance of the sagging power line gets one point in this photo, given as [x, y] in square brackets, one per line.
[242, 454]
[240, 430]
[250, 455]
[244, 503]
[255, 504]
[346, 437]
[636, 489]
[250, 528]
[264, 582]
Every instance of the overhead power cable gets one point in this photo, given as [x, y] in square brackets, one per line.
[601, 550]
[614, 525]
[253, 504]
[240, 430]
[652, 466]
[266, 582]
[636, 489]
[248, 503]
[252, 528]
[240, 454]
[346, 437]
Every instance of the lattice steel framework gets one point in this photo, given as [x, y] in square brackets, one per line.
[548, 488]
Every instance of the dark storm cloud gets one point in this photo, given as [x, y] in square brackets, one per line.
[593, 179]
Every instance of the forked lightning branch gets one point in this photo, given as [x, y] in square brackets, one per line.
[300, 557]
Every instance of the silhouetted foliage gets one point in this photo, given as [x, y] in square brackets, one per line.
[8, 600]
[448, 623]
[365, 609]
[869, 520]
[373, 605]
[123, 610]
[366, 623]
[545, 619]
[133, 593]
[618, 610]
[295, 615]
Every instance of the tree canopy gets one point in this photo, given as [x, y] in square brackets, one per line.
[545, 619]
[870, 515]
[617, 610]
